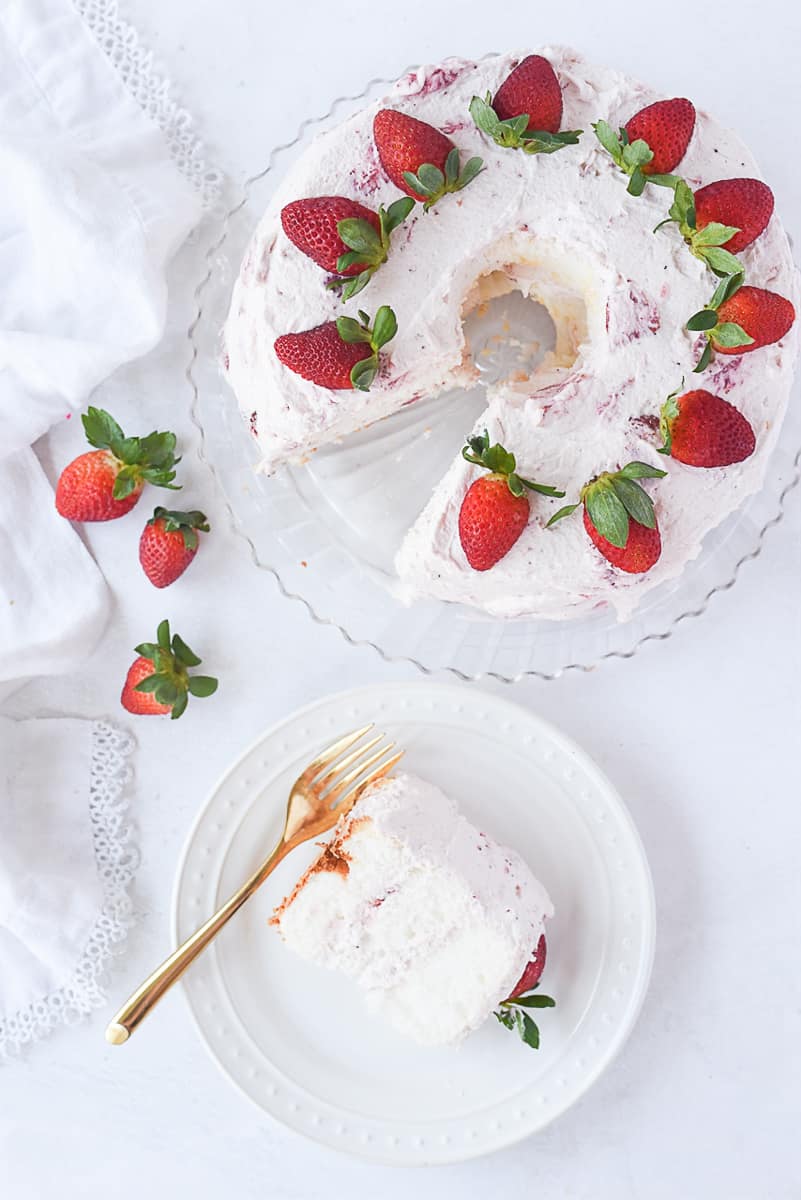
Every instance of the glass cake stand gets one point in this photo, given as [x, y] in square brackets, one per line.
[328, 531]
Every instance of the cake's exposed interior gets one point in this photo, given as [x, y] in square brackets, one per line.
[433, 919]
[549, 310]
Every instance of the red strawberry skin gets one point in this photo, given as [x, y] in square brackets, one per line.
[321, 356]
[84, 489]
[491, 520]
[641, 551]
[709, 432]
[404, 144]
[312, 226]
[745, 203]
[533, 971]
[163, 553]
[667, 127]
[142, 703]
[534, 89]
[765, 316]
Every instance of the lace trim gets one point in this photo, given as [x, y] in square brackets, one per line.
[117, 860]
[137, 69]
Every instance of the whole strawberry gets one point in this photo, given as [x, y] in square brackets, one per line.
[765, 316]
[495, 509]
[168, 544]
[339, 354]
[639, 552]
[343, 236]
[704, 430]
[515, 1011]
[743, 204]
[619, 517]
[106, 483]
[666, 127]
[651, 144]
[418, 158]
[158, 681]
[719, 220]
[527, 110]
[531, 975]
[739, 319]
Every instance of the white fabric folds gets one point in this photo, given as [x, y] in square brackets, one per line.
[92, 208]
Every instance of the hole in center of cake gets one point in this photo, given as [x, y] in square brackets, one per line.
[520, 322]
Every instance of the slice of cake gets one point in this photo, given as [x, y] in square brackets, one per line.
[437, 922]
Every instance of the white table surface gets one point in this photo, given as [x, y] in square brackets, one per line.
[700, 734]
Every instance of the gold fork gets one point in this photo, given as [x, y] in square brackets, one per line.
[325, 791]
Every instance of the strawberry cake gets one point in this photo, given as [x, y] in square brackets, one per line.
[438, 924]
[644, 228]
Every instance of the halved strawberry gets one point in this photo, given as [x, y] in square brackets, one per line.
[495, 508]
[739, 319]
[651, 143]
[619, 517]
[343, 236]
[531, 975]
[106, 483]
[704, 430]
[339, 354]
[158, 681]
[515, 1011]
[527, 110]
[418, 158]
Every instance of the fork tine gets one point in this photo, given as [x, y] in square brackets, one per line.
[344, 782]
[346, 804]
[332, 752]
[326, 780]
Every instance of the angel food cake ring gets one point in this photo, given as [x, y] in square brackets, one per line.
[643, 227]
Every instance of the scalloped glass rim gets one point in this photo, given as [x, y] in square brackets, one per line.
[343, 588]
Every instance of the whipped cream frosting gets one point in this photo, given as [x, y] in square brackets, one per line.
[434, 920]
[562, 229]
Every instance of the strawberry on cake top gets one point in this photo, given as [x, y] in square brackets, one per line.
[546, 174]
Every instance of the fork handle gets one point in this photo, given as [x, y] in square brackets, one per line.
[161, 980]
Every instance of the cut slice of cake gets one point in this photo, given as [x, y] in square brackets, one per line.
[434, 920]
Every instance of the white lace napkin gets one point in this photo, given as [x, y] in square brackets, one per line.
[65, 864]
[92, 208]
[102, 181]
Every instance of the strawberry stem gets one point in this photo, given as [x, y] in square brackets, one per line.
[501, 462]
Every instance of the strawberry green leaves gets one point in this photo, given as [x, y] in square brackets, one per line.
[185, 523]
[514, 133]
[366, 247]
[501, 462]
[512, 1014]
[150, 459]
[171, 684]
[706, 243]
[614, 498]
[383, 330]
[718, 333]
[631, 157]
[432, 184]
[667, 415]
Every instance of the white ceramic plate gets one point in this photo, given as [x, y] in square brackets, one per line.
[297, 1040]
